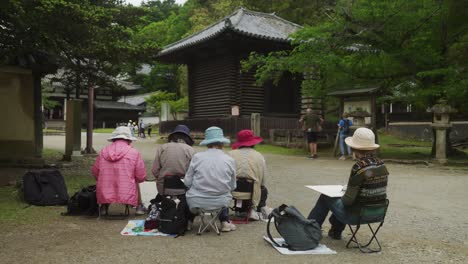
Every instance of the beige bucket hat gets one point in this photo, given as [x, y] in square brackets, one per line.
[363, 138]
[122, 132]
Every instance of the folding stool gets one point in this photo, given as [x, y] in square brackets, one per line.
[371, 213]
[212, 216]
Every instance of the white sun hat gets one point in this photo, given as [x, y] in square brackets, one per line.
[122, 132]
[363, 138]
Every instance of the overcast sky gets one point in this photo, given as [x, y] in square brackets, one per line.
[138, 2]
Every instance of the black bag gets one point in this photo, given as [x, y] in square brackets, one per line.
[44, 187]
[83, 202]
[172, 217]
[299, 233]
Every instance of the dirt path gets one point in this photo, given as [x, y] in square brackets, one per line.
[427, 222]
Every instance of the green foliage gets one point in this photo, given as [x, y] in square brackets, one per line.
[155, 99]
[415, 50]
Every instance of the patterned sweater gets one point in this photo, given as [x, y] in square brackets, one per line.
[367, 183]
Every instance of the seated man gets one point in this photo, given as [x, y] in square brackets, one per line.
[367, 184]
[211, 177]
[118, 170]
[250, 164]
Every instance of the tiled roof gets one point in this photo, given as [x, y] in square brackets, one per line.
[134, 99]
[245, 22]
[354, 91]
[117, 105]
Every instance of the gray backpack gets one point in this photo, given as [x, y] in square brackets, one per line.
[299, 233]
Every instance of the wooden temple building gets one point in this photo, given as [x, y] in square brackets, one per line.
[220, 92]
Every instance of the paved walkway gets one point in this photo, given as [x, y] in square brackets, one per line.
[427, 222]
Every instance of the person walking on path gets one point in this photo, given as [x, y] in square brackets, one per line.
[118, 170]
[173, 158]
[367, 184]
[142, 129]
[149, 130]
[311, 124]
[211, 177]
[344, 125]
[251, 164]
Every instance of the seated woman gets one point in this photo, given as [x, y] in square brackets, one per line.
[367, 184]
[251, 164]
[211, 177]
[118, 170]
[173, 158]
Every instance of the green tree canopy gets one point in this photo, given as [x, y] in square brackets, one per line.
[415, 50]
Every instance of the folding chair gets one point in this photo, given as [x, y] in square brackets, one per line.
[174, 185]
[212, 216]
[372, 213]
[113, 216]
[242, 197]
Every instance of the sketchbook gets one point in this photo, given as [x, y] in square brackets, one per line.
[329, 190]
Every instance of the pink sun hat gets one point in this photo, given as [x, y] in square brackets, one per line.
[246, 138]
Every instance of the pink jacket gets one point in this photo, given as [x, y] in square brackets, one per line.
[118, 169]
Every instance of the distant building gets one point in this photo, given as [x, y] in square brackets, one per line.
[108, 112]
[219, 89]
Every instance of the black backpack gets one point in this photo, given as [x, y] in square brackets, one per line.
[83, 202]
[346, 127]
[44, 187]
[172, 216]
[299, 233]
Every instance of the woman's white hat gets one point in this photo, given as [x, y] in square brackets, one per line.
[363, 138]
[122, 132]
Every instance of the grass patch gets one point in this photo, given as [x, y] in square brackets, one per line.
[271, 149]
[392, 147]
[16, 212]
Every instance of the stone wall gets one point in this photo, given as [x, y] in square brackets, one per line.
[423, 131]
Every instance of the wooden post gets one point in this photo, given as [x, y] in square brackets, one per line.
[255, 120]
[73, 130]
[89, 128]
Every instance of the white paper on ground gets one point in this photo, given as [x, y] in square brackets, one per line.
[148, 192]
[328, 190]
[321, 249]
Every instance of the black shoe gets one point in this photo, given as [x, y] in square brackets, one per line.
[333, 234]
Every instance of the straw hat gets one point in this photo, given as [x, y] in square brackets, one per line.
[363, 139]
[246, 138]
[122, 132]
[214, 135]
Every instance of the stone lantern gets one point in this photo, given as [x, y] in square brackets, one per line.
[441, 122]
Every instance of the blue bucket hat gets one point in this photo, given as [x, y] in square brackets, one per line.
[184, 130]
[214, 135]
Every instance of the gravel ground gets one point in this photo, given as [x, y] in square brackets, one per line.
[427, 222]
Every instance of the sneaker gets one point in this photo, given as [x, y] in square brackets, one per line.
[343, 157]
[140, 210]
[226, 226]
[334, 234]
[254, 215]
[311, 157]
[189, 225]
[266, 211]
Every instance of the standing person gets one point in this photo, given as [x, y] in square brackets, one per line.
[211, 177]
[118, 170]
[311, 124]
[251, 164]
[135, 129]
[344, 126]
[142, 129]
[173, 157]
[149, 130]
[130, 126]
[367, 184]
